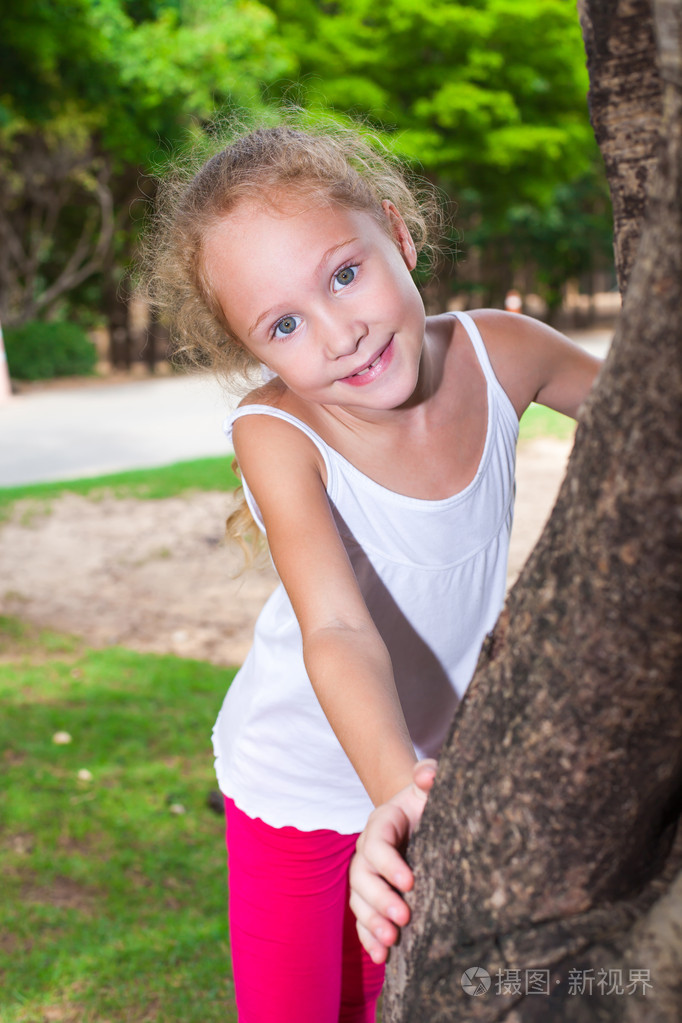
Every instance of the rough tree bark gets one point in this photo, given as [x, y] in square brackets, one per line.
[551, 840]
[626, 107]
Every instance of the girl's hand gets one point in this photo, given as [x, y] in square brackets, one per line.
[378, 868]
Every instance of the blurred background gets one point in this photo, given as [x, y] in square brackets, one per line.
[485, 98]
[122, 613]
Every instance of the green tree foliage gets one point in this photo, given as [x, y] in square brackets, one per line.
[488, 93]
[90, 90]
[542, 246]
[133, 71]
[488, 97]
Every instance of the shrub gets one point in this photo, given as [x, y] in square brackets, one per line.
[40, 351]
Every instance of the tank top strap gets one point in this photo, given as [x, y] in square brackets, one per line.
[479, 347]
[276, 413]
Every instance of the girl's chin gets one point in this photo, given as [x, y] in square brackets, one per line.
[398, 395]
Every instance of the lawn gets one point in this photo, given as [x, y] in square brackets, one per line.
[144, 484]
[113, 894]
[539, 421]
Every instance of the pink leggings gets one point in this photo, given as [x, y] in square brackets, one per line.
[296, 955]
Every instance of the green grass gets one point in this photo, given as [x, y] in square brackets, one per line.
[538, 421]
[112, 907]
[145, 484]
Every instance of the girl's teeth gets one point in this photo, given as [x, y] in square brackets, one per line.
[371, 366]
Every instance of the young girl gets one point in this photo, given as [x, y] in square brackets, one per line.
[379, 462]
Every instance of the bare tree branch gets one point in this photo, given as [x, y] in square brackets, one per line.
[52, 182]
[79, 268]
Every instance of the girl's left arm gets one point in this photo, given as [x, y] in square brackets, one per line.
[534, 362]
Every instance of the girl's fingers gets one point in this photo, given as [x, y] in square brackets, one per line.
[424, 774]
[381, 929]
[379, 908]
[377, 848]
[378, 863]
[377, 952]
[378, 871]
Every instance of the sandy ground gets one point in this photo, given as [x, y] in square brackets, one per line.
[155, 576]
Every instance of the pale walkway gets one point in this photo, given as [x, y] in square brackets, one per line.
[87, 431]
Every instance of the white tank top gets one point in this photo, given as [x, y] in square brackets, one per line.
[433, 575]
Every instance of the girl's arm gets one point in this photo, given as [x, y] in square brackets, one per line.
[534, 362]
[346, 659]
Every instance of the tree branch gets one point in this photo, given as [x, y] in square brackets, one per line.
[76, 271]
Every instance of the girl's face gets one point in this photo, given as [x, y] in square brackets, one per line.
[324, 297]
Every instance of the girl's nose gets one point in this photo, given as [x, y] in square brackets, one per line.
[344, 338]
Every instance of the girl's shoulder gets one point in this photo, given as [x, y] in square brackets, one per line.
[280, 443]
[495, 326]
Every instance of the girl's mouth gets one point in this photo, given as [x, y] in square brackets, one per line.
[375, 368]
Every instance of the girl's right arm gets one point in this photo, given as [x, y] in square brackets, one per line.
[345, 658]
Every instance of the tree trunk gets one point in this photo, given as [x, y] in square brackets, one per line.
[549, 853]
[626, 108]
[115, 306]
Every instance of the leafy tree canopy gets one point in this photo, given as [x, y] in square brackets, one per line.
[131, 72]
[487, 95]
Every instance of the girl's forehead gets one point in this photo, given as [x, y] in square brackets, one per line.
[288, 202]
[253, 223]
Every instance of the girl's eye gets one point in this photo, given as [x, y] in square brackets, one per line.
[287, 325]
[344, 277]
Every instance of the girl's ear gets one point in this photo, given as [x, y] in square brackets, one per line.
[401, 234]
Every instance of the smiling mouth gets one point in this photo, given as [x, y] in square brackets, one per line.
[362, 372]
[373, 368]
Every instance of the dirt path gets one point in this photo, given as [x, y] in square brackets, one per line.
[154, 575]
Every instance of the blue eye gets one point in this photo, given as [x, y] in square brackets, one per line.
[344, 277]
[287, 325]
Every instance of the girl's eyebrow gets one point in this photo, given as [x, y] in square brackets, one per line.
[325, 258]
[330, 252]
